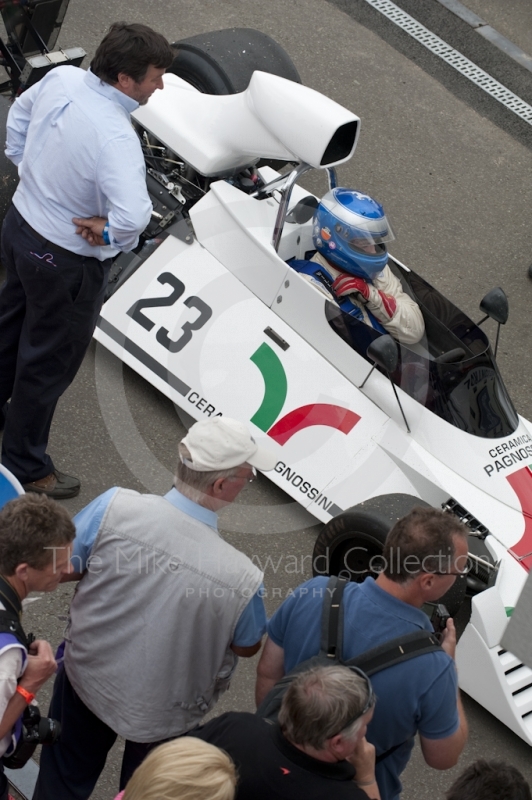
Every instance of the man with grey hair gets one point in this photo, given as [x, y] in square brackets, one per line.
[163, 609]
[318, 749]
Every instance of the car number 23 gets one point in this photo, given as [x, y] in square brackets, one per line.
[162, 335]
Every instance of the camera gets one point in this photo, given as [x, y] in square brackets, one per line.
[438, 615]
[35, 730]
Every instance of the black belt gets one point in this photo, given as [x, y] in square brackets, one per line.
[55, 248]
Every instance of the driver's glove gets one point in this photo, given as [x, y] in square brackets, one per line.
[349, 284]
[381, 304]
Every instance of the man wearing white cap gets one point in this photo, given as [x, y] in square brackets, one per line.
[163, 608]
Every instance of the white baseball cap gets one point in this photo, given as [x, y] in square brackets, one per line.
[223, 443]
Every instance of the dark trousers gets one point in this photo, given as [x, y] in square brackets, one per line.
[70, 767]
[49, 305]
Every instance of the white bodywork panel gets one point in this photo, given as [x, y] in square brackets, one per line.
[237, 230]
[215, 363]
[217, 134]
[518, 634]
[489, 674]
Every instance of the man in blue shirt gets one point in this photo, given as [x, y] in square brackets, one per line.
[162, 611]
[423, 555]
[82, 198]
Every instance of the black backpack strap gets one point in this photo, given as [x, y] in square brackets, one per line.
[9, 598]
[9, 623]
[10, 618]
[330, 590]
[332, 619]
[388, 752]
[395, 651]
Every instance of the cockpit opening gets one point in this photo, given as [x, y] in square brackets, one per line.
[451, 371]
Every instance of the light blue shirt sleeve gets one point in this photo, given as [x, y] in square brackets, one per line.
[251, 625]
[18, 121]
[87, 523]
[122, 180]
[71, 137]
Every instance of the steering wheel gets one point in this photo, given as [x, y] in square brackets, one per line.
[451, 356]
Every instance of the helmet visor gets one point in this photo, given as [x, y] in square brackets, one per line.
[368, 237]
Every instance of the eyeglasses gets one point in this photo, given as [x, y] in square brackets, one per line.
[456, 574]
[370, 702]
[459, 573]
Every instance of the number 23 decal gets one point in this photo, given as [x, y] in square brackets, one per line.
[162, 335]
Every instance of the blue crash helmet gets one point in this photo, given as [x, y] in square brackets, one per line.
[350, 230]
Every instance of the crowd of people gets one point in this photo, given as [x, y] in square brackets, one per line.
[164, 607]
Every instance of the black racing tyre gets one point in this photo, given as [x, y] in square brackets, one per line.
[8, 171]
[222, 62]
[351, 543]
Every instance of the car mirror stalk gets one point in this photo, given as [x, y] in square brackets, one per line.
[384, 354]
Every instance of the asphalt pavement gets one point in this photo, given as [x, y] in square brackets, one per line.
[454, 171]
[511, 18]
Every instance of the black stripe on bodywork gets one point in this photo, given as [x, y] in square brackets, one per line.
[141, 355]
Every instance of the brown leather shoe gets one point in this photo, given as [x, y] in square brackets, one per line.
[56, 485]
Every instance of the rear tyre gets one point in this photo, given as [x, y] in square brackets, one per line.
[222, 62]
[351, 544]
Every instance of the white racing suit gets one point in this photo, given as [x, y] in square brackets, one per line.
[387, 303]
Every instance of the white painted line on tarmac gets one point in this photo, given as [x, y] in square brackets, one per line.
[455, 59]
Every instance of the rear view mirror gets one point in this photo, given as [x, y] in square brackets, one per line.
[383, 352]
[495, 305]
[303, 211]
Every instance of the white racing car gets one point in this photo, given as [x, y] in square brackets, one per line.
[211, 313]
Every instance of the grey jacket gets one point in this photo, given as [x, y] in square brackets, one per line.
[151, 621]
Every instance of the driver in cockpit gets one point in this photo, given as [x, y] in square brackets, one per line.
[350, 265]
